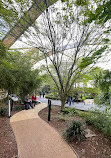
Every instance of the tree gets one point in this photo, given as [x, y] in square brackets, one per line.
[68, 27]
[62, 27]
[86, 84]
[17, 76]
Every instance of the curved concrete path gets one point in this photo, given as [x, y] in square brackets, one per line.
[89, 106]
[36, 139]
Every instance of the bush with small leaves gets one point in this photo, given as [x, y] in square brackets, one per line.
[74, 131]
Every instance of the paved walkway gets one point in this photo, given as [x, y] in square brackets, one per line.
[36, 139]
[80, 106]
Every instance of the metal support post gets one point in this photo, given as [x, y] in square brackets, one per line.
[49, 109]
[9, 114]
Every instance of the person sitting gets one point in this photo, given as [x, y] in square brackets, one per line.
[27, 102]
[34, 99]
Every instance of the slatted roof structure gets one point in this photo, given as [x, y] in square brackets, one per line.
[26, 21]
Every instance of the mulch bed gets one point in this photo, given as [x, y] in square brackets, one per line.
[8, 146]
[93, 147]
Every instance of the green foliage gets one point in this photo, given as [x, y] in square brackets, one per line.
[107, 31]
[82, 2]
[99, 52]
[84, 114]
[103, 12]
[100, 121]
[74, 131]
[86, 61]
[3, 111]
[70, 111]
[102, 99]
[100, 15]
[3, 51]
[105, 40]
[10, 14]
[5, 12]
[91, 59]
[103, 82]
[16, 74]
[90, 93]
[63, 0]
[23, 79]
[46, 88]
[90, 75]
[51, 96]
[62, 118]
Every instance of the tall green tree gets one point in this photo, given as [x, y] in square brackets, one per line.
[17, 75]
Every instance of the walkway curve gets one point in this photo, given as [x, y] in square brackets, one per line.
[36, 139]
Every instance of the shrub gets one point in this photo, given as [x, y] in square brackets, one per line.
[71, 111]
[100, 121]
[102, 98]
[3, 111]
[74, 131]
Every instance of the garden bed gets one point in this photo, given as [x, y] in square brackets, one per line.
[8, 146]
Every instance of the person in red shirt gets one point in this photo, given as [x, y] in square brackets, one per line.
[34, 99]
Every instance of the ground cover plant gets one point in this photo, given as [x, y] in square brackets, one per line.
[70, 111]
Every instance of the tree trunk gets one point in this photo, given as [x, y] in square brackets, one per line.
[63, 99]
